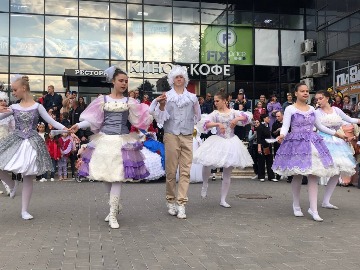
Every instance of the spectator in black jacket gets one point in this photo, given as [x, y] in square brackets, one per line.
[264, 150]
[208, 104]
[53, 101]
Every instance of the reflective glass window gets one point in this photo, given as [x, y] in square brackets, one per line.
[157, 43]
[213, 44]
[58, 65]
[27, 65]
[134, 83]
[118, 11]
[213, 16]
[238, 17]
[94, 9]
[64, 7]
[4, 5]
[186, 43]
[27, 35]
[135, 1]
[61, 36]
[4, 33]
[186, 15]
[118, 39]
[57, 82]
[266, 47]
[159, 2]
[266, 20]
[94, 38]
[157, 13]
[27, 6]
[4, 80]
[93, 64]
[36, 83]
[177, 3]
[292, 21]
[134, 12]
[290, 44]
[4, 64]
[204, 4]
[135, 40]
[120, 64]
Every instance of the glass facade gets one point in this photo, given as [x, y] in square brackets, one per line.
[261, 43]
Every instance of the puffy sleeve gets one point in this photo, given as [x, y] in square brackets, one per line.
[48, 119]
[7, 114]
[210, 118]
[248, 116]
[346, 117]
[139, 114]
[286, 121]
[93, 115]
[159, 115]
[320, 126]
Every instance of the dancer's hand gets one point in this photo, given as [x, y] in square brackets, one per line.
[280, 138]
[341, 136]
[161, 99]
[233, 123]
[74, 128]
[221, 128]
[4, 109]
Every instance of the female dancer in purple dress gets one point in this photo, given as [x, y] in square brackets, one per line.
[113, 155]
[303, 151]
[23, 150]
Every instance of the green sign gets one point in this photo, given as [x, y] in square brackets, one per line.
[239, 41]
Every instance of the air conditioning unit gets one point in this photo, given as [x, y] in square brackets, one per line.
[308, 47]
[305, 69]
[309, 82]
[319, 69]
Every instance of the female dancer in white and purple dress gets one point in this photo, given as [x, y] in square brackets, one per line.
[303, 151]
[113, 155]
[341, 152]
[223, 150]
[23, 150]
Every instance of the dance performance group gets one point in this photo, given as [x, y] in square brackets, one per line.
[115, 155]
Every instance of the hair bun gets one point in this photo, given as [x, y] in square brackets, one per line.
[25, 78]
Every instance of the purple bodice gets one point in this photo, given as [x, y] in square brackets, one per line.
[302, 122]
[225, 119]
[26, 122]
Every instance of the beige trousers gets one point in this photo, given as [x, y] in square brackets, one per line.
[178, 153]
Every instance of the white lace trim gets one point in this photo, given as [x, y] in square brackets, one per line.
[114, 106]
[181, 100]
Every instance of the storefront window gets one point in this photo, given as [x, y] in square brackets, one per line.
[186, 43]
[135, 12]
[240, 18]
[4, 33]
[266, 20]
[93, 64]
[266, 47]
[94, 9]
[27, 65]
[4, 64]
[27, 35]
[118, 39]
[157, 43]
[65, 7]
[194, 4]
[292, 21]
[118, 11]
[57, 65]
[213, 16]
[290, 44]
[56, 81]
[27, 6]
[186, 15]
[4, 5]
[135, 40]
[157, 13]
[61, 36]
[94, 38]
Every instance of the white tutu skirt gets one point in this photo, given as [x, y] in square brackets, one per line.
[106, 163]
[24, 160]
[196, 169]
[153, 164]
[223, 152]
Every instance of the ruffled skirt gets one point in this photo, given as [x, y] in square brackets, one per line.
[153, 164]
[113, 158]
[219, 152]
[303, 153]
[341, 153]
[26, 156]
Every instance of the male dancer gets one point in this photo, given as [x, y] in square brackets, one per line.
[177, 111]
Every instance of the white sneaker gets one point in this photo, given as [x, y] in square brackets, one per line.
[43, 180]
[107, 218]
[172, 209]
[262, 180]
[254, 177]
[181, 212]
[274, 180]
[297, 212]
[52, 179]
[26, 216]
[225, 204]
[1, 192]
[7, 190]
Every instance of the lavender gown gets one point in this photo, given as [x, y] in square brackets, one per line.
[303, 151]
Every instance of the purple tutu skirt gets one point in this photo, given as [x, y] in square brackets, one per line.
[303, 153]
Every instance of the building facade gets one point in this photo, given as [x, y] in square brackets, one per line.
[231, 44]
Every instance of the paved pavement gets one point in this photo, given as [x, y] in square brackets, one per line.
[68, 231]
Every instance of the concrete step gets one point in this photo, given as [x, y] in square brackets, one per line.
[244, 173]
